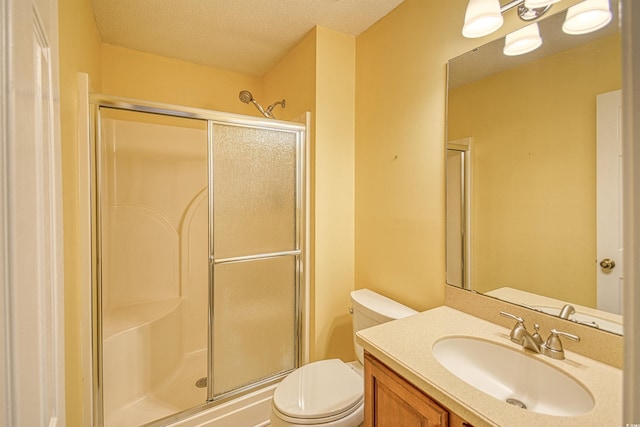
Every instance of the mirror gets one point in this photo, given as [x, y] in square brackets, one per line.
[524, 158]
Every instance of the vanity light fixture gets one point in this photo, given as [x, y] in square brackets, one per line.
[587, 16]
[483, 17]
[523, 40]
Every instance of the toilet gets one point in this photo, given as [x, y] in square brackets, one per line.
[330, 393]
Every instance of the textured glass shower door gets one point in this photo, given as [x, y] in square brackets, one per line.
[255, 227]
[198, 269]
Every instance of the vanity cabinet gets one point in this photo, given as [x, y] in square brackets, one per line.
[391, 401]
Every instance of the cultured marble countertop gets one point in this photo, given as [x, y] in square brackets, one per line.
[405, 346]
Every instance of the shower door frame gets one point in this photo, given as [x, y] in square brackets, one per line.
[98, 101]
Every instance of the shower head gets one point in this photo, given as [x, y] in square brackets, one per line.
[245, 96]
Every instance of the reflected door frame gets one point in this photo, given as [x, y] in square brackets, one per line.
[458, 254]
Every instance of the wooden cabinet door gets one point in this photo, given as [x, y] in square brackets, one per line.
[390, 401]
[456, 421]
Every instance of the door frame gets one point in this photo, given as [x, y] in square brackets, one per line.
[631, 188]
[32, 388]
[465, 146]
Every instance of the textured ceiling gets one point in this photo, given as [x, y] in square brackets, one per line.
[246, 36]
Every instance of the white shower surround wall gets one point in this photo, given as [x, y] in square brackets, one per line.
[154, 291]
[135, 362]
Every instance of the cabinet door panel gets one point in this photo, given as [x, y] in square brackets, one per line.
[390, 401]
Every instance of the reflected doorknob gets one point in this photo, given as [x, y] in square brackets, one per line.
[607, 264]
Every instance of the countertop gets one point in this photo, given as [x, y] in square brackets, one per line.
[405, 346]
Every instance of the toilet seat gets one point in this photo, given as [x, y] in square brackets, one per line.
[320, 392]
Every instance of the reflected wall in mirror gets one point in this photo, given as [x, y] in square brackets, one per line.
[532, 223]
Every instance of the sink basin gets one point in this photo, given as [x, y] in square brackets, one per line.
[513, 376]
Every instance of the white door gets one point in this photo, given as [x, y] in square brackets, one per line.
[31, 315]
[609, 196]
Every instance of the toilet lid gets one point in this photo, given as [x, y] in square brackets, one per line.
[318, 390]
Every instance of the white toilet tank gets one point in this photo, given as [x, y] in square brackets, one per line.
[371, 309]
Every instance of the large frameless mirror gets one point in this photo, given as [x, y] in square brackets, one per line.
[533, 213]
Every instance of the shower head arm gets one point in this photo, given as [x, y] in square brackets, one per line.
[267, 113]
[270, 108]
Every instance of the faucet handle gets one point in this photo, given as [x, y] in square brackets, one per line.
[564, 334]
[512, 316]
[553, 346]
[518, 329]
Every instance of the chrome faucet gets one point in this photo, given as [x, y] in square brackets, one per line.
[520, 335]
[566, 311]
[551, 348]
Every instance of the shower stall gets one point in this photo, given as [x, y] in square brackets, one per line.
[198, 258]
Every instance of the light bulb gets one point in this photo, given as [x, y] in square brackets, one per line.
[481, 18]
[586, 17]
[522, 41]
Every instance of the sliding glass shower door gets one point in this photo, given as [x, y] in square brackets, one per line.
[255, 240]
[199, 221]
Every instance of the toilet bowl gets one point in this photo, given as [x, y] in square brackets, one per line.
[325, 393]
[330, 393]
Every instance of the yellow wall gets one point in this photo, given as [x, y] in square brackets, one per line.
[400, 134]
[79, 52]
[534, 170]
[133, 74]
[334, 194]
[400, 101]
[294, 79]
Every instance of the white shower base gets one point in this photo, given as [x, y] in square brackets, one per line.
[177, 394]
[181, 393]
[136, 399]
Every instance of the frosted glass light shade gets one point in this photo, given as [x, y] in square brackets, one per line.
[522, 41]
[535, 4]
[481, 18]
[586, 17]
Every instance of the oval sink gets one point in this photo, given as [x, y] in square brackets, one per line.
[513, 376]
